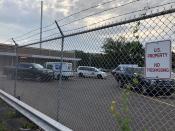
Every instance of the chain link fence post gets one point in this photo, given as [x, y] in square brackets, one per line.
[60, 78]
[16, 63]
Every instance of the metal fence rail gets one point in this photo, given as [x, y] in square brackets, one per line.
[37, 117]
[73, 92]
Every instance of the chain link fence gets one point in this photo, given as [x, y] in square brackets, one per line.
[93, 80]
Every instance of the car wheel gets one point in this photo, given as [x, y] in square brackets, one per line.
[80, 74]
[121, 84]
[66, 78]
[144, 91]
[58, 77]
[137, 89]
[38, 78]
[99, 77]
[167, 94]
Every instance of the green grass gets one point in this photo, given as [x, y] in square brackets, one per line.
[29, 125]
[2, 126]
[10, 114]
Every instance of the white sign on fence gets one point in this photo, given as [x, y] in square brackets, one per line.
[158, 59]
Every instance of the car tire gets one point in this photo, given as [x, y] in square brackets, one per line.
[66, 78]
[144, 91]
[11, 76]
[168, 94]
[99, 76]
[58, 77]
[121, 84]
[80, 74]
[39, 78]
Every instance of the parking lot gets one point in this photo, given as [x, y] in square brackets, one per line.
[84, 103]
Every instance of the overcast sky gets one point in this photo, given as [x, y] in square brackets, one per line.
[20, 16]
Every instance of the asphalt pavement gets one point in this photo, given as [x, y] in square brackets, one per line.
[83, 104]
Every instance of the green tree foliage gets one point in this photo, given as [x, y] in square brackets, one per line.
[90, 59]
[122, 52]
[115, 53]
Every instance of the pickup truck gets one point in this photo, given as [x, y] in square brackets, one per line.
[31, 71]
[147, 86]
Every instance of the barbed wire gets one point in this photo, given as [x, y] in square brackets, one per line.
[37, 29]
[33, 35]
[44, 38]
[94, 6]
[34, 30]
[7, 40]
[50, 35]
[118, 16]
[33, 40]
[99, 13]
[49, 30]
[89, 8]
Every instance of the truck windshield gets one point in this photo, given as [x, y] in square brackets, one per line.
[38, 66]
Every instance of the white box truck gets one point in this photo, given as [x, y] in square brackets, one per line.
[56, 66]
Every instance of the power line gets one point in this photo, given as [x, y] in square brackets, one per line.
[118, 16]
[99, 12]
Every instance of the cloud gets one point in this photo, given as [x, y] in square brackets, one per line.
[24, 15]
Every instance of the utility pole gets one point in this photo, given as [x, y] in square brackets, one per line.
[41, 25]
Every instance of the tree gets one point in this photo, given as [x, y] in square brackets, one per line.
[123, 52]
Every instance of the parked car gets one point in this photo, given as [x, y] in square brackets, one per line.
[67, 71]
[88, 71]
[135, 77]
[29, 71]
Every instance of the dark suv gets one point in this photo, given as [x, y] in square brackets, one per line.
[29, 71]
[135, 78]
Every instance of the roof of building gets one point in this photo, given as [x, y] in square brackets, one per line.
[33, 52]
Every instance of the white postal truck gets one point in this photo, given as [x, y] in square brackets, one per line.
[56, 66]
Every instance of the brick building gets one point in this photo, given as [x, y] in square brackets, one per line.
[33, 55]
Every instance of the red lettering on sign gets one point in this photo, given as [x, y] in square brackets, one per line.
[157, 69]
[156, 64]
[156, 49]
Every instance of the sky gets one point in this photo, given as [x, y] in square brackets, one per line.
[20, 16]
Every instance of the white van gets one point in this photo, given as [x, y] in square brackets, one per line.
[56, 66]
[88, 71]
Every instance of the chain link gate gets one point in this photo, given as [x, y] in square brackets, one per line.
[98, 99]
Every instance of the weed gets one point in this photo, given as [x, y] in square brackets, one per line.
[11, 114]
[122, 121]
[29, 125]
[2, 126]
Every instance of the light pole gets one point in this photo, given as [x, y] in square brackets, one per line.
[41, 25]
